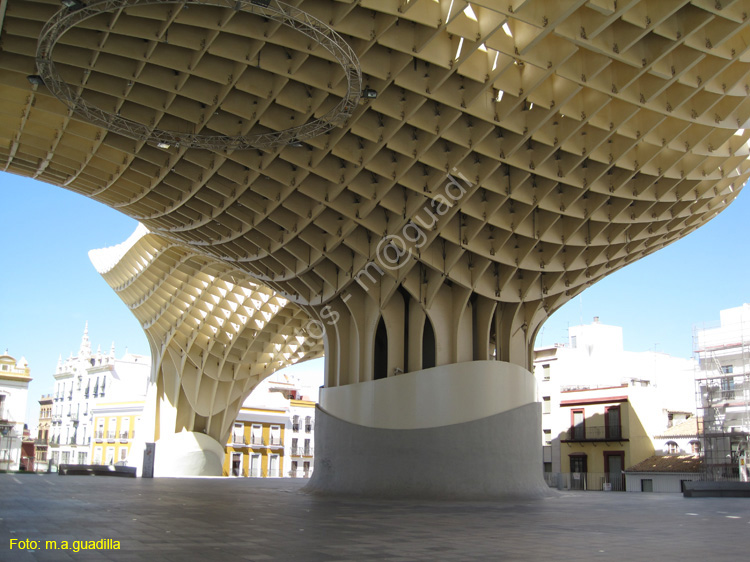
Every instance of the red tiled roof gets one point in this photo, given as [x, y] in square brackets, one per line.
[669, 463]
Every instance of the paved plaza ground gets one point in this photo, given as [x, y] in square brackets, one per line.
[249, 519]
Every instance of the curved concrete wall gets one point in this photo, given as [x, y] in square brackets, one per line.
[435, 397]
[470, 430]
[495, 457]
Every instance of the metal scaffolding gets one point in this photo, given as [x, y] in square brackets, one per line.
[722, 384]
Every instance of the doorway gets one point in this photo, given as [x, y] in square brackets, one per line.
[614, 464]
[578, 470]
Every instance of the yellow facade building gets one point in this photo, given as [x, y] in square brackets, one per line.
[273, 434]
[15, 377]
[115, 428]
[256, 444]
[609, 429]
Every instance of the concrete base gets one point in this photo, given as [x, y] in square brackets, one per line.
[717, 490]
[188, 454]
[96, 470]
[495, 456]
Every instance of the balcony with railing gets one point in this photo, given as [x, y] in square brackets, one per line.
[239, 441]
[111, 435]
[581, 433]
[124, 435]
[302, 451]
[275, 441]
[257, 441]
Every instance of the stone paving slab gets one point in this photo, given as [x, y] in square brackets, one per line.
[182, 519]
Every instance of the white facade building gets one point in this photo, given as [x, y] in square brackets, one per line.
[83, 383]
[723, 394]
[14, 386]
[594, 357]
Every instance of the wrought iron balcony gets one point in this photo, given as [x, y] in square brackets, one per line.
[595, 433]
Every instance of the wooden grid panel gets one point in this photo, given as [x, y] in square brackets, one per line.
[214, 338]
[590, 133]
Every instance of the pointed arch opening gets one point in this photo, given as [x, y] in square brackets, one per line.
[429, 349]
[380, 352]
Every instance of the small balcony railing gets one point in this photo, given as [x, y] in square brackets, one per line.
[275, 441]
[257, 440]
[295, 427]
[596, 433]
[308, 428]
[124, 435]
[302, 451]
[239, 440]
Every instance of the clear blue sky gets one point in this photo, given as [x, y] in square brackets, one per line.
[49, 289]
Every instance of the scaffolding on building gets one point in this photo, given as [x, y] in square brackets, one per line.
[722, 384]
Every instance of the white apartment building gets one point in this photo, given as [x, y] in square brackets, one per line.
[83, 384]
[593, 358]
[723, 394]
[15, 377]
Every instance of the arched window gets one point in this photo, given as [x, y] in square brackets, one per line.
[695, 447]
[672, 447]
[380, 352]
[428, 345]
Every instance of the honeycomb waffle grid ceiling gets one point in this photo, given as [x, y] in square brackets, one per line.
[590, 133]
[214, 339]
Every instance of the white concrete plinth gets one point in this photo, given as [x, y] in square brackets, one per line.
[470, 430]
[188, 454]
